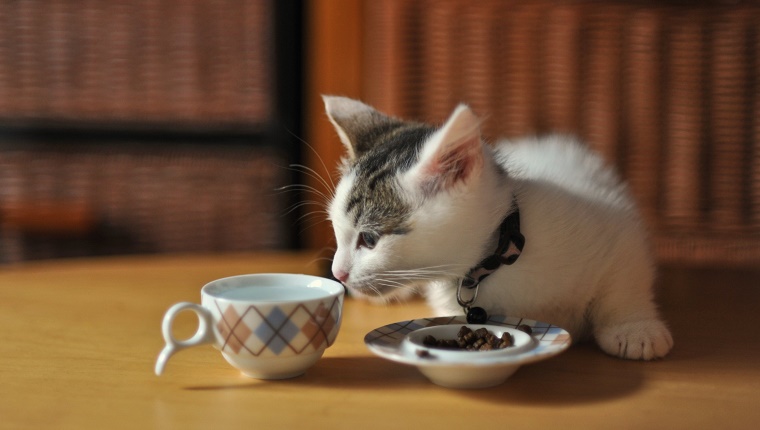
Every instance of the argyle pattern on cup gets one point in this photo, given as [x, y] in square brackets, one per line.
[277, 330]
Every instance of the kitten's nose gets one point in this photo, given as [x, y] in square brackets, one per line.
[340, 275]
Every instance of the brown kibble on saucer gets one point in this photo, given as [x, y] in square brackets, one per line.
[422, 353]
[469, 340]
[449, 343]
[478, 343]
[506, 340]
[430, 341]
[464, 331]
[525, 328]
[465, 336]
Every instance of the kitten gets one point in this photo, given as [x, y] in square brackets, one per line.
[418, 206]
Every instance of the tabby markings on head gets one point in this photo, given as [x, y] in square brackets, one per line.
[388, 150]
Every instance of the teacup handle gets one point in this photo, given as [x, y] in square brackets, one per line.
[204, 334]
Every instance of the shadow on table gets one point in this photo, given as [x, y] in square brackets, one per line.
[339, 373]
[581, 375]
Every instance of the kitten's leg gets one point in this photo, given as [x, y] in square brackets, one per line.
[626, 322]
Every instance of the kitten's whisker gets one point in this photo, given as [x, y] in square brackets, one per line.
[299, 187]
[312, 225]
[400, 282]
[299, 205]
[395, 285]
[329, 250]
[314, 151]
[303, 203]
[376, 291]
[411, 275]
[317, 260]
[437, 267]
[308, 171]
[390, 282]
[422, 273]
[428, 273]
[306, 188]
[313, 215]
[419, 278]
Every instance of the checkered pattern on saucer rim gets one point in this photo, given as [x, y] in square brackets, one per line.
[391, 335]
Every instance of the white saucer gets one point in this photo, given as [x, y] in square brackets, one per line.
[466, 369]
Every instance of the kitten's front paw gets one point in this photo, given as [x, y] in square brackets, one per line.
[638, 340]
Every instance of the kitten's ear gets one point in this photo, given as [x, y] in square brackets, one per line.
[352, 119]
[452, 155]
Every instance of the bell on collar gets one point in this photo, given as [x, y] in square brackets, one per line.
[477, 315]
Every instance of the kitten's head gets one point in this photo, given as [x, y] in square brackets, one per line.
[409, 205]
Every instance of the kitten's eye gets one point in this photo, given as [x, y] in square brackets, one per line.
[368, 239]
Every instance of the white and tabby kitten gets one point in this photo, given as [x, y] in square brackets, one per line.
[417, 206]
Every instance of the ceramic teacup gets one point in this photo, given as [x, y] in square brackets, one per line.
[269, 326]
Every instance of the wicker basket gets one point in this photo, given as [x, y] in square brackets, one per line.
[668, 93]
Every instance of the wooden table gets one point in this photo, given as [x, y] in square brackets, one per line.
[79, 340]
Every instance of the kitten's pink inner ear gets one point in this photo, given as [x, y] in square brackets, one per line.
[457, 153]
[457, 163]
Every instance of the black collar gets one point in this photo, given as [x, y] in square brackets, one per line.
[511, 243]
[509, 248]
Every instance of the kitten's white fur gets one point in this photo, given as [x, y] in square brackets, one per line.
[586, 265]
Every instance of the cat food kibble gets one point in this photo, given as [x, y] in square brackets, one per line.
[526, 328]
[423, 354]
[471, 340]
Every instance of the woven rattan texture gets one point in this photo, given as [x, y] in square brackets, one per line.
[150, 200]
[668, 93]
[163, 66]
[176, 62]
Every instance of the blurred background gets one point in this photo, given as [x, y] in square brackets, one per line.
[148, 126]
[154, 126]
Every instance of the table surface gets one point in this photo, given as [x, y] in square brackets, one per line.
[79, 340]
